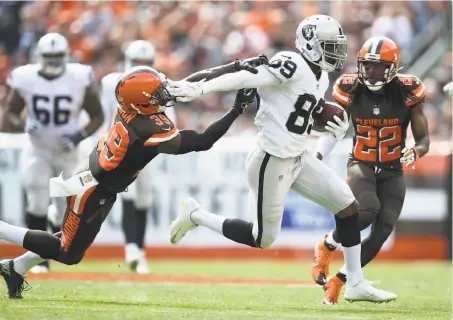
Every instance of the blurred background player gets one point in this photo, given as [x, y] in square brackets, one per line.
[53, 91]
[136, 201]
[381, 103]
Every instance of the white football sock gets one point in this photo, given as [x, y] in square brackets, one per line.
[26, 261]
[331, 241]
[343, 270]
[353, 266]
[209, 220]
[12, 233]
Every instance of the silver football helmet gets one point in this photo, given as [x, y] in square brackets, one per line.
[139, 52]
[320, 39]
[52, 53]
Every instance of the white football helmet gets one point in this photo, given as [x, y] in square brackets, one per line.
[320, 39]
[139, 52]
[52, 52]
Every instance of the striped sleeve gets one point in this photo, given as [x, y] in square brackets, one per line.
[418, 91]
[340, 94]
[157, 138]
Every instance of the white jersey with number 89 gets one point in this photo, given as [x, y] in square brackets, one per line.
[285, 111]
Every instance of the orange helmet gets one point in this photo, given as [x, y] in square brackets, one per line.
[378, 61]
[141, 90]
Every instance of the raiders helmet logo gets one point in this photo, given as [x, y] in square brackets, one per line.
[308, 31]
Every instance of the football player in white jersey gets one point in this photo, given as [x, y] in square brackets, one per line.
[53, 91]
[136, 201]
[291, 88]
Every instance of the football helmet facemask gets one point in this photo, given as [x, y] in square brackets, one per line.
[53, 53]
[320, 39]
[378, 62]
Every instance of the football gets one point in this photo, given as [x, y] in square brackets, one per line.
[329, 110]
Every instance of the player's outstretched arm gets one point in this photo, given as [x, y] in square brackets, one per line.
[190, 140]
[235, 66]
[185, 91]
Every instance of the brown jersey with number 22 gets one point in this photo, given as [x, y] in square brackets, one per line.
[380, 125]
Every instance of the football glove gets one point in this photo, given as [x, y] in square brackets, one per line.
[32, 126]
[244, 98]
[338, 129]
[185, 91]
[449, 88]
[251, 63]
[70, 142]
[409, 157]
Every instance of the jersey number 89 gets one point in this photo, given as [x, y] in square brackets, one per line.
[305, 105]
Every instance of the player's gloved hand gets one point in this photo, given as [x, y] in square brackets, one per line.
[409, 157]
[32, 126]
[449, 88]
[244, 98]
[250, 64]
[338, 129]
[70, 142]
[185, 91]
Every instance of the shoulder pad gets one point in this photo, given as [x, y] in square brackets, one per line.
[287, 65]
[342, 88]
[21, 76]
[82, 72]
[109, 81]
[154, 129]
[416, 87]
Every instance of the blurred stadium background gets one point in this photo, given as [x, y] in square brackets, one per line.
[190, 36]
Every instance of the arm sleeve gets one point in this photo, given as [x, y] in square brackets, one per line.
[211, 73]
[325, 145]
[241, 79]
[194, 141]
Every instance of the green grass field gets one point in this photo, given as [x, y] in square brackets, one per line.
[424, 291]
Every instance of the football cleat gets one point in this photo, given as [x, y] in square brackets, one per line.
[333, 289]
[132, 255]
[364, 291]
[14, 281]
[142, 266]
[183, 222]
[40, 269]
[321, 262]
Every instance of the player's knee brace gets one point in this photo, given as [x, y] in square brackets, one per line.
[239, 231]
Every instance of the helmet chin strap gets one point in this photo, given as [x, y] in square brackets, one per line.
[327, 67]
[374, 87]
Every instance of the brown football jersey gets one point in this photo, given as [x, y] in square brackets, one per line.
[380, 124]
[128, 146]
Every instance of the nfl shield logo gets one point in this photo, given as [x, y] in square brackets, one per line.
[376, 110]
